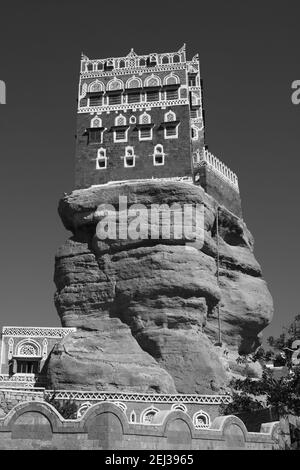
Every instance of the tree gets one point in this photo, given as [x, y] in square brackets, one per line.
[66, 408]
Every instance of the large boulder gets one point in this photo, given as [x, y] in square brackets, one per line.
[146, 310]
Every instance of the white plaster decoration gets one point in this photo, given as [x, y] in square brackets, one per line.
[10, 348]
[201, 420]
[41, 332]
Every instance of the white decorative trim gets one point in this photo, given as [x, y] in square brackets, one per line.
[207, 158]
[10, 348]
[179, 407]
[28, 348]
[120, 120]
[204, 423]
[173, 77]
[45, 348]
[115, 84]
[83, 409]
[40, 332]
[151, 410]
[132, 106]
[139, 397]
[133, 70]
[152, 80]
[121, 405]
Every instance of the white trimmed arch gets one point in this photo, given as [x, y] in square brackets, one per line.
[148, 415]
[96, 86]
[28, 348]
[115, 84]
[120, 120]
[170, 116]
[145, 118]
[201, 420]
[96, 122]
[171, 79]
[134, 82]
[152, 80]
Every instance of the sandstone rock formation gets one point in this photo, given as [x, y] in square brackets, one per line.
[146, 310]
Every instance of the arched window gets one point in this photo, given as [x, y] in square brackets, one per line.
[28, 348]
[142, 62]
[132, 120]
[115, 84]
[129, 158]
[145, 118]
[134, 82]
[158, 155]
[100, 66]
[122, 64]
[89, 67]
[171, 79]
[201, 420]
[96, 122]
[96, 86]
[148, 415]
[120, 120]
[170, 116]
[152, 80]
[132, 418]
[145, 130]
[101, 161]
[165, 60]
[176, 59]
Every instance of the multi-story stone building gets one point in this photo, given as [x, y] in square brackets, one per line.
[24, 351]
[141, 117]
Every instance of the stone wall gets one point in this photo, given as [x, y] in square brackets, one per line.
[10, 398]
[219, 189]
[104, 426]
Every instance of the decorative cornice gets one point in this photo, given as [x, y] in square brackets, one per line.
[42, 332]
[132, 106]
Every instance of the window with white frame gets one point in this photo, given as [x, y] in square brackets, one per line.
[129, 158]
[194, 131]
[120, 131]
[171, 125]
[101, 161]
[145, 129]
[120, 120]
[158, 155]
[96, 122]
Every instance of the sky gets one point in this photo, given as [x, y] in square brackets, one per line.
[249, 54]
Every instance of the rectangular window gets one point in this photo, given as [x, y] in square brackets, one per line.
[171, 132]
[172, 94]
[194, 113]
[129, 161]
[145, 133]
[158, 159]
[192, 80]
[101, 163]
[153, 96]
[133, 98]
[95, 136]
[26, 367]
[96, 100]
[115, 99]
[120, 135]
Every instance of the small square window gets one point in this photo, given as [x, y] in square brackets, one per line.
[145, 133]
[129, 161]
[172, 94]
[115, 99]
[120, 135]
[158, 159]
[101, 163]
[94, 136]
